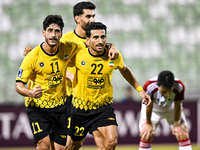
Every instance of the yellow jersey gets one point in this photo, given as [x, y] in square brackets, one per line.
[48, 71]
[93, 89]
[71, 36]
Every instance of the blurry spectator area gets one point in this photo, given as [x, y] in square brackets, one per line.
[151, 35]
[128, 95]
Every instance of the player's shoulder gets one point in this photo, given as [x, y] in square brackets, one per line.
[151, 84]
[178, 85]
[35, 51]
[177, 80]
[83, 51]
[66, 44]
[119, 53]
[152, 80]
[69, 33]
[67, 36]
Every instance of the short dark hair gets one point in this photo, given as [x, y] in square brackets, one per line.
[95, 26]
[166, 79]
[78, 8]
[50, 19]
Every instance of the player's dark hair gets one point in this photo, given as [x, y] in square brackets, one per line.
[166, 79]
[51, 19]
[95, 26]
[78, 8]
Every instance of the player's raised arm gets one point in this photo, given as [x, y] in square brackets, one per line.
[128, 75]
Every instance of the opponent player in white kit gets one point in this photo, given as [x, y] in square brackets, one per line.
[167, 94]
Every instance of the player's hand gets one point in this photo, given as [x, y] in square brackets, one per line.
[180, 132]
[112, 51]
[146, 98]
[37, 92]
[27, 50]
[147, 132]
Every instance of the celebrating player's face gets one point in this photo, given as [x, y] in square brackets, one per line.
[86, 18]
[97, 41]
[164, 91]
[52, 35]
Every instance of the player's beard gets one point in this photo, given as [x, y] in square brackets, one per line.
[51, 45]
[96, 49]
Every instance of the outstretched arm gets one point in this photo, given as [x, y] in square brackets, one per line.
[128, 75]
[147, 132]
[22, 90]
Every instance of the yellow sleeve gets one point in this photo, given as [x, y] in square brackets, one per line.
[26, 68]
[120, 61]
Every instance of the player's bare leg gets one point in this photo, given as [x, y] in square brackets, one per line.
[69, 141]
[44, 144]
[98, 140]
[146, 135]
[47, 144]
[56, 146]
[145, 144]
[183, 139]
[109, 135]
[75, 145]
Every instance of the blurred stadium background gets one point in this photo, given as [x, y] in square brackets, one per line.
[152, 36]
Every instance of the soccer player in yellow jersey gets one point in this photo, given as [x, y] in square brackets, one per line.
[93, 91]
[44, 68]
[83, 15]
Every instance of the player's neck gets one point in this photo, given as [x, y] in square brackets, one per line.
[95, 53]
[80, 32]
[49, 49]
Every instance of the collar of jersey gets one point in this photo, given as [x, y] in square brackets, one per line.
[96, 55]
[47, 53]
[78, 35]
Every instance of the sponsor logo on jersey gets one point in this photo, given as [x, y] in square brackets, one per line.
[55, 80]
[95, 82]
[66, 57]
[41, 64]
[83, 63]
[54, 59]
[110, 118]
[20, 73]
[111, 64]
[97, 60]
[63, 136]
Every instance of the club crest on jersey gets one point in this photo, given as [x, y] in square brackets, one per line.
[20, 73]
[66, 57]
[83, 63]
[111, 64]
[41, 64]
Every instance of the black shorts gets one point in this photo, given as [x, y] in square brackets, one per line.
[45, 123]
[69, 108]
[82, 124]
[69, 104]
